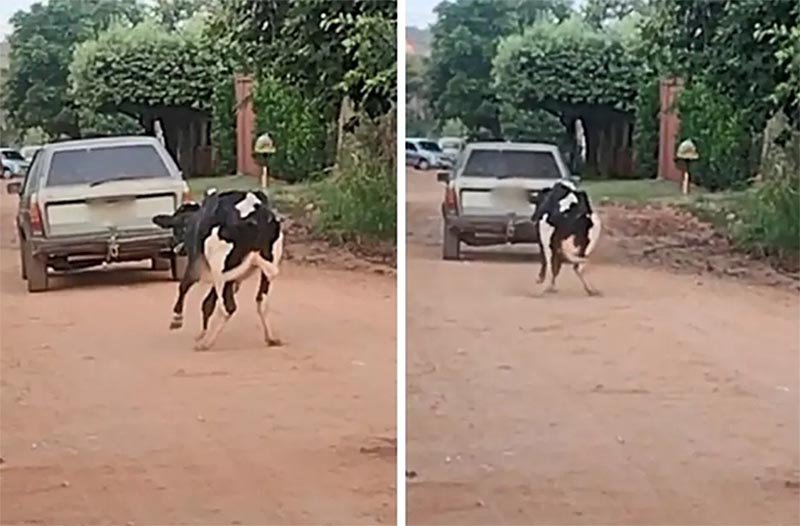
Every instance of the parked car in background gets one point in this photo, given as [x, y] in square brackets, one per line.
[430, 155]
[413, 158]
[91, 201]
[452, 146]
[14, 164]
[28, 152]
[489, 195]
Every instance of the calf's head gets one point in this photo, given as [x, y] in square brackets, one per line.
[178, 222]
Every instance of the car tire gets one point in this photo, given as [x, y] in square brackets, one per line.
[178, 267]
[423, 165]
[160, 264]
[36, 270]
[451, 244]
[6, 173]
[22, 248]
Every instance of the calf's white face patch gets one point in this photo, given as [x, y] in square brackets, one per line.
[566, 202]
[247, 205]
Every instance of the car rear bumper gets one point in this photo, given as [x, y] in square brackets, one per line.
[121, 246]
[488, 229]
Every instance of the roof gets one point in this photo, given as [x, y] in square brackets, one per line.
[519, 146]
[103, 142]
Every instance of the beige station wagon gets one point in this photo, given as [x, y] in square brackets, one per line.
[86, 202]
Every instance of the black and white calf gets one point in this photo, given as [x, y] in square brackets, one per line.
[568, 232]
[227, 239]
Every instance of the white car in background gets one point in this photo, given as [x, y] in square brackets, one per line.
[452, 146]
[29, 151]
[489, 195]
[14, 164]
[428, 154]
[90, 201]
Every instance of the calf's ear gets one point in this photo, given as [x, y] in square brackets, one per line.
[164, 221]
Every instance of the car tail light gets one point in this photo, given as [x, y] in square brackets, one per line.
[450, 198]
[37, 225]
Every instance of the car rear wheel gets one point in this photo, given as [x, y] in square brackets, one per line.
[423, 165]
[22, 245]
[451, 244]
[6, 173]
[35, 269]
[160, 264]
[178, 267]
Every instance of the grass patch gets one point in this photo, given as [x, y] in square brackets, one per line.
[287, 197]
[638, 191]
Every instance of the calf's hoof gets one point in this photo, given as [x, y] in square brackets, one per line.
[274, 342]
[594, 293]
[201, 346]
[177, 322]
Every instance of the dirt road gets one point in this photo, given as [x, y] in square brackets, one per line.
[672, 399]
[110, 418]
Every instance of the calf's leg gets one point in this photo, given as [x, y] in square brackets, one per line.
[262, 305]
[555, 264]
[225, 310]
[209, 304]
[177, 311]
[580, 269]
[545, 240]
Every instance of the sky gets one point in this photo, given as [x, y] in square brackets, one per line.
[419, 13]
[8, 8]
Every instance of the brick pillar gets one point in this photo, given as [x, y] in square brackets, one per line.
[669, 127]
[245, 127]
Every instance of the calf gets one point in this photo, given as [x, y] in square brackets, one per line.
[228, 238]
[568, 232]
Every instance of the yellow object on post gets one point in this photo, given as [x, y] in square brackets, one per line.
[261, 150]
[687, 152]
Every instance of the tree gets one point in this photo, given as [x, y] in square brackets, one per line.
[151, 74]
[465, 37]
[42, 42]
[598, 12]
[725, 42]
[326, 49]
[574, 73]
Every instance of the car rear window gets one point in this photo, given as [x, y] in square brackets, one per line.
[429, 146]
[94, 165]
[508, 163]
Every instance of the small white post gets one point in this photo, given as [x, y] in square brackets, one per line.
[685, 183]
[264, 177]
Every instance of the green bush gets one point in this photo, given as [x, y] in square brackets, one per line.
[223, 125]
[719, 130]
[770, 219]
[646, 129]
[296, 127]
[360, 201]
[531, 125]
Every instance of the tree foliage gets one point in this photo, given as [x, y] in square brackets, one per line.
[740, 46]
[296, 128]
[145, 67]
[42, 42]
[326, 49]
[573, 72]
[719, 130]
[565, 69]
[465, 38]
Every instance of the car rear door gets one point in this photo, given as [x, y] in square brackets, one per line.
[116, 188]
